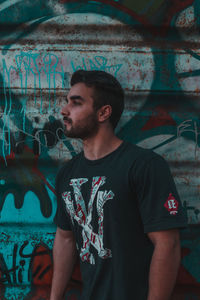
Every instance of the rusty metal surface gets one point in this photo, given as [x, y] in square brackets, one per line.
[152, 47]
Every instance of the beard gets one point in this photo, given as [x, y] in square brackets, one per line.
[83, 129]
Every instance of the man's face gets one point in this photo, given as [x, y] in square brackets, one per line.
[79, 117]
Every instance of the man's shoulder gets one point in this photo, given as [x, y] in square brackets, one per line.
[138, 153]
[143, 159]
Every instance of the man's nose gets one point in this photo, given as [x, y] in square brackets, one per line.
[65, 110]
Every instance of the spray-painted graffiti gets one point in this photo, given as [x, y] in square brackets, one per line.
[190, 127]
[99, 63]
[15, 274]
[40, 68]
[42, 44]
[25, 265]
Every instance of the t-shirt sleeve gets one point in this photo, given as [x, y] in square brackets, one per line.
[158, 200]
[61, 218]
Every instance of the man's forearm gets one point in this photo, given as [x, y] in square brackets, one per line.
[163, 270]
[64, 257]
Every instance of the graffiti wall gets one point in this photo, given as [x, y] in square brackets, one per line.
[152, 48]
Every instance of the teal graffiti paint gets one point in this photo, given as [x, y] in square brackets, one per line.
[98, 63]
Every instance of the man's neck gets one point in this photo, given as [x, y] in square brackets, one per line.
[101, 145]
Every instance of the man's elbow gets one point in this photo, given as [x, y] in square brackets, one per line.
[167, 243]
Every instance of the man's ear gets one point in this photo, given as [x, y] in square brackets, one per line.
[104, 113]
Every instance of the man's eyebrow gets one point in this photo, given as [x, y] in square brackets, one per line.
[76, 97]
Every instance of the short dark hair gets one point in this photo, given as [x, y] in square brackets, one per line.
[107, 91]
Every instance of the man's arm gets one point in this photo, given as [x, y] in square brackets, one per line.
[164, 264]
[64, 257]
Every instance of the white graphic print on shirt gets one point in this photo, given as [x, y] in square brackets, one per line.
[84, 217]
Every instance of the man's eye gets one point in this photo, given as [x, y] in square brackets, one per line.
[75, 102]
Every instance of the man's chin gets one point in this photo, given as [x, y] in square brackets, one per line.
[71, 134]
[68, 134]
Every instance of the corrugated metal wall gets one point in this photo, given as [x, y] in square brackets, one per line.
[152, 47]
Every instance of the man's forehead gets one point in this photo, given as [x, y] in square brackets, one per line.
[80, 89]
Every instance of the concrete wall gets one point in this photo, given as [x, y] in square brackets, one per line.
[152, 47]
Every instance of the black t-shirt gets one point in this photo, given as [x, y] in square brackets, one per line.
[110, 204]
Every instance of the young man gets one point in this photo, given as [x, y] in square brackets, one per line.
[118, 207]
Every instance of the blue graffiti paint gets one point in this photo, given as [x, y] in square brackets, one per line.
[4, 146]
[37, 64]
[30, 212]
[26, 65]
[197, 12]
[98, 63]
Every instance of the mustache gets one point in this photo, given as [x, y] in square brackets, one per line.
[67, 119]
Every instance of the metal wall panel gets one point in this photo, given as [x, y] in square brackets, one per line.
[152, 47]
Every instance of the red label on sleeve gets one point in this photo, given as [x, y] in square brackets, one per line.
[171, 205]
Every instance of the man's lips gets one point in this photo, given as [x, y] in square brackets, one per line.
[67, 120]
